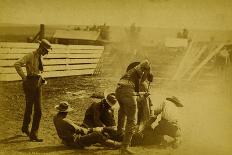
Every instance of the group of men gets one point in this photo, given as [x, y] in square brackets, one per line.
[136, 114]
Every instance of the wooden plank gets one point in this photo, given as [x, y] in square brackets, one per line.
[54, 51]
[68, 73]
[15, 77]
[12, 70]
[18, 45]
[5, 63]
[50, 56]
[90, 55]
[69, 61]
[55, 46]
[16, 50]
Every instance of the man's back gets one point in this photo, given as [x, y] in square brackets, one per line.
[97, 115]
[64, 127]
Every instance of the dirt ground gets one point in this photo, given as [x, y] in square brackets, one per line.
[206, 117]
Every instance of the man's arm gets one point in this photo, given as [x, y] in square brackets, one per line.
[78, 129]
[18, 66]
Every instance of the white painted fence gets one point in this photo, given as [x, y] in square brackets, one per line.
[64, 60]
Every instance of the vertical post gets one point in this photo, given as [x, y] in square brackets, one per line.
[41, 34]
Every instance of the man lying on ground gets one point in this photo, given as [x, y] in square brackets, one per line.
[75, 136]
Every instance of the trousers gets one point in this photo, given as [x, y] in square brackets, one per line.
[128, 110]
[33, 94]
[86, 140]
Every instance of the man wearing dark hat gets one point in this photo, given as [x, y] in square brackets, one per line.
[32, 82]
[144, 102]
[76, 136]
[127, 91]
[101, 114]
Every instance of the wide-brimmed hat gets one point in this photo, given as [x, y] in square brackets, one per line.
[63, 107]
[46, 44]
[110, 98]
[175, 100]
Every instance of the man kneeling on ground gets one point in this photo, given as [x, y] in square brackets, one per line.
[168, 131]
[75, 136]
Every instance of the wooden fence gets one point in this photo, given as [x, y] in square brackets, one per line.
[64, 60]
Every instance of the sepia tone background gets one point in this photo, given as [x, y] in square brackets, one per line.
[206, 117]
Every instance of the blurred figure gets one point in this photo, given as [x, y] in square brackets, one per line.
[32, 83]
[75, 136]
[126, 93]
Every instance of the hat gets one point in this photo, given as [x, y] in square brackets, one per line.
[175, 100]
[132, 65]
[144, 65]
[110, 98]
[63, 107]
[46, 44]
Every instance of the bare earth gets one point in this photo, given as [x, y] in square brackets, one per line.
[206, 117]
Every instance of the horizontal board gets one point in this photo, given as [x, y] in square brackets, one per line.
[53, 61]
[54, 51]
[14, 77]
[36, 45]
[12, 70]
[50, 56]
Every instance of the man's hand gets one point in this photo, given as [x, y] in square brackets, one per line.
[146, 94]
[98, 129]
[85, 131]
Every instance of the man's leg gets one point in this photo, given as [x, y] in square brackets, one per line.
[130, 108]
[37, 115]
[89, 139]
[121, 120]
[28, 108]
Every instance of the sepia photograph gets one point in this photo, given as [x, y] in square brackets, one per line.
[116, 77]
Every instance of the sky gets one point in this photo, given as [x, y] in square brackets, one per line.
[200, 14]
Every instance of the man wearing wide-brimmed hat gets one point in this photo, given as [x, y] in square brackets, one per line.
[127, 91]
[32, 82]
[168, 126]
[76, 136]
[101, 114]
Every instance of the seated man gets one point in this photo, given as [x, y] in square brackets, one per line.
[76, 136]
[167, 132]
[101, 114]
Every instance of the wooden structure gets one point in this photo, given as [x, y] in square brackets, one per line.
[64, 60]
[75, 37]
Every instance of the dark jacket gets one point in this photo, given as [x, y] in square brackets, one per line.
[66, 128]
[99, 115]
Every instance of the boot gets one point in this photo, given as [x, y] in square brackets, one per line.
[112, 144]
[35, 138]
[26, 131]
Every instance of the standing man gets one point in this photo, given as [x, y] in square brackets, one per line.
[144, 103]
[32, 87]
[126, 94]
